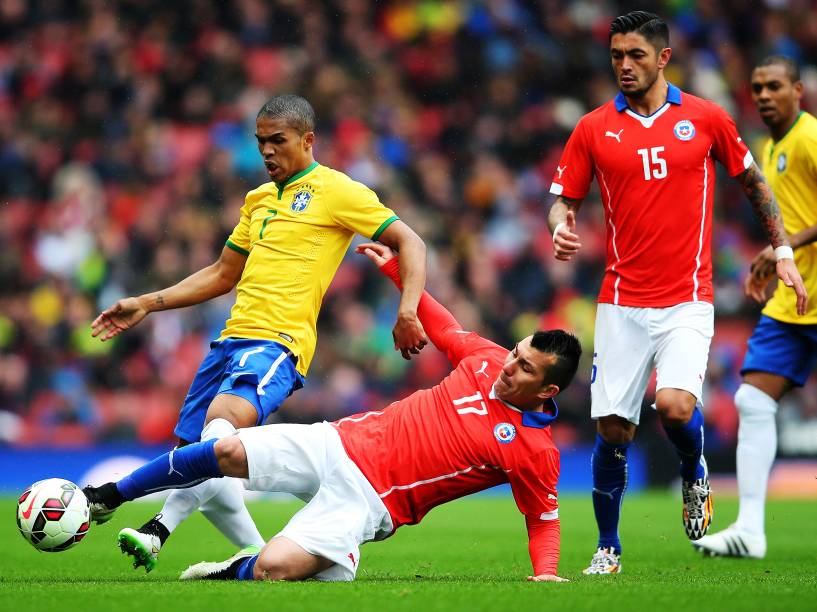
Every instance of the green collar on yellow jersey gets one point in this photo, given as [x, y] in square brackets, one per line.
[791, 127]
[295, 177]
[777, 142]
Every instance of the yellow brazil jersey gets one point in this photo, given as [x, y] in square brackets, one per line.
[790, 166]
[294, 236]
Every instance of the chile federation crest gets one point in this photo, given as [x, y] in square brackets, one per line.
[684, 130]
[504, 433]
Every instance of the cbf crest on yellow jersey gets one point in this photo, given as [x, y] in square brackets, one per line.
[294, 236]
[790, 166]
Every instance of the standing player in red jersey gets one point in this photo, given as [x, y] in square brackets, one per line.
[363, 476]
[652, 150]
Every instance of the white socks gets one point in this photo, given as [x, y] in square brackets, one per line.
[221, 500]
[757, 446]
[226, 510]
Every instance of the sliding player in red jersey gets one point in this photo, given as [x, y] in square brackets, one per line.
[652, 151]
[363, 476]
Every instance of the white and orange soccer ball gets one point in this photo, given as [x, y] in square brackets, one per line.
[53, 515]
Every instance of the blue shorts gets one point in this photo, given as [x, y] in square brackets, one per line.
[785, 349]
[261, 371]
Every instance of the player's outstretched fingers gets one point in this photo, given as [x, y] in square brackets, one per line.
[376, 252]
[100, 324]
[802, 296]
[788, 273]
[106, 328]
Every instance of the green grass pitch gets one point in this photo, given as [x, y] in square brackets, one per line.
[467, 555]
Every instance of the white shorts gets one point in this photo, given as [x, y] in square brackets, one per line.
[629, 342]
[343, 510]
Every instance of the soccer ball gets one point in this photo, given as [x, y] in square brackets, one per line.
[53, 514]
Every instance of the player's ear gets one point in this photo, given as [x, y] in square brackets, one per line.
[798, 89]
[307, 140]
[548, 391]
[663, 57]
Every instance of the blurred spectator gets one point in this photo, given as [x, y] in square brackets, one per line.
[126, 147]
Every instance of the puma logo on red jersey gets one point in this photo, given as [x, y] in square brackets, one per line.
[616, 135]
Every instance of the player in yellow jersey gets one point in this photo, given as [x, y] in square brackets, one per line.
[782, 351]
[291, 237]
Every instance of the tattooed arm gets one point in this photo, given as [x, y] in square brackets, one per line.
[768, 213]
[216, 279]
[562, 222]
[765, 206]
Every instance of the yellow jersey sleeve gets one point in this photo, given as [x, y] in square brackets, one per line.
[357, 208]
[239, 239]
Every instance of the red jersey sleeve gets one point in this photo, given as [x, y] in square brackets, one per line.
[575, 170]
[727, 146]
[534, 490]
[442, 328]
[543, 545]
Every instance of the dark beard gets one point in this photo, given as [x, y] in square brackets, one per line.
[641, 91]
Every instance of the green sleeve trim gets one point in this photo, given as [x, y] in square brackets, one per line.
[384, 225]
[236, 248]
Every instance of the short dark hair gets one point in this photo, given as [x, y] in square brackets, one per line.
[295, 110]
[567, 349]
[792, 69]
[649, 25]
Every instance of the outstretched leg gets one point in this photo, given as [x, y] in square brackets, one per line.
[221, 501]
[280, 559]
[181, 467]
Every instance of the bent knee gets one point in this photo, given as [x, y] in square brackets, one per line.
[751, 401]
[675, 414]
[277, 569]
[616, 430]
[231, 456]
[235, 409]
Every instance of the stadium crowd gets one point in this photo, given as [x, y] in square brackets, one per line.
[126, 148]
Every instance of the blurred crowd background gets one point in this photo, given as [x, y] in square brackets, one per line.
[126, 148]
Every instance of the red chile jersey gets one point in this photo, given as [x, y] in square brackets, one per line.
[656, 176]
[457, 438]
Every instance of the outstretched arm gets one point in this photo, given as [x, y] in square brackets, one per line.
[768, 213]
[409, 335]
[763, 265]
[443, 329]
[543, 546]
[216, 279]
[440, 324]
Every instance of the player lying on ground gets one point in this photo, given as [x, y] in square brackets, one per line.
[652, 150]
[486, 423]
[281, 257]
